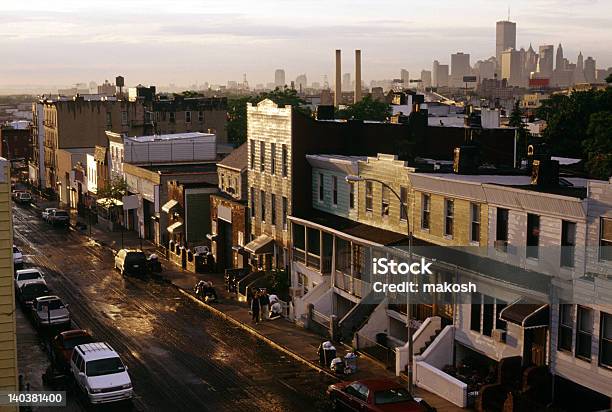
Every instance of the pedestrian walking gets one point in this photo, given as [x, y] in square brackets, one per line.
[264, 303]
[255, 307]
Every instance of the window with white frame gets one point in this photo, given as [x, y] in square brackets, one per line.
[369, 196]
[404, 203]
[385, 201]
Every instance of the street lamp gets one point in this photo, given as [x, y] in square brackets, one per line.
[351, 179]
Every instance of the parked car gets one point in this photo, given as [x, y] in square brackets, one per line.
[50, 311]
[374, 395]
[23, 198]
[27, 294]
[15, 194]
[100, 373]
[47, 212]
[17, 256]
[29, 275]
[131, 261]
[59, 217]
[63, 344]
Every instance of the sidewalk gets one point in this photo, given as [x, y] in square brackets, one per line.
[296, 342]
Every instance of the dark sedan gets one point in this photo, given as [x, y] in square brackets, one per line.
[28, 293]
[374, 395]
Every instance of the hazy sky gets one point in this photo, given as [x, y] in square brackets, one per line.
[187, 41]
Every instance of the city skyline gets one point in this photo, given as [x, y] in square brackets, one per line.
[73, 43]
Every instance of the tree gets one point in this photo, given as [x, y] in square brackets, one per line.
[366, 109]
[598, 145]
[516, 120]
[609, 79]
[114, 189]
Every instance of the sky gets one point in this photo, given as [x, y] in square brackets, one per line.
[63, 42]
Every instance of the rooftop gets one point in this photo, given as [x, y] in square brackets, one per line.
[237, 159]
[181, 168]
[169, 137]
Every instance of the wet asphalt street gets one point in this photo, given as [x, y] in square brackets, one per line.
[180, 357]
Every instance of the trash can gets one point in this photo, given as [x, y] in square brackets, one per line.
[327, 352]
[381, 339]
[350, 363]
[337, 365]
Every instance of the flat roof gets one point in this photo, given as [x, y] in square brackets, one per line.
[182, 168]
[173, 136]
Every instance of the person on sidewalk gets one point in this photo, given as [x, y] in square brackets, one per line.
[255, 306]
[264, 304]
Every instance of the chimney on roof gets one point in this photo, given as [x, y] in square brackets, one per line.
[357, 76]
[338, 83]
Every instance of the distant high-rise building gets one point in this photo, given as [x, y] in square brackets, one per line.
[346, 82]
[107, 89]
[460, 66]
[279, 78]
[545, 61]
[405, 76]
[559, 60]
[590, 70]
[602, 74]
[485, 69]
[530, 61]
[505, 38]
[440, 74]
[301, 82]
[425, 78]
[512, 67]
[579, 70]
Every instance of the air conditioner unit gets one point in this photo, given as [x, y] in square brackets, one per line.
[501, 245]
[499, 335]
[295, 292]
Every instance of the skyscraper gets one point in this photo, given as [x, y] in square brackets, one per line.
[301, 82]
[545, 61]
[440, 74]
[579, 70]
[512, 67]
[405, 76]
[505, 38]
[559, 61]
[279, 78]
[590, 70]
[460, 66]
[425, 78]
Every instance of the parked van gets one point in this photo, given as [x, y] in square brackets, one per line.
[100, 373]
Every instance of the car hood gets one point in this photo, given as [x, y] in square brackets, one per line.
[55, 313]
[109, 381]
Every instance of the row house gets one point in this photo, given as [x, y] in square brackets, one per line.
[525, 246]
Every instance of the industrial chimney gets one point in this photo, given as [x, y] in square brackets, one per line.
[338, 83]
[357, 76]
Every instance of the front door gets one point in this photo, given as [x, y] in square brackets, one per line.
[534, 351]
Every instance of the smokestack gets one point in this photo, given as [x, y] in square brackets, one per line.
[338, 83]
[357, 76]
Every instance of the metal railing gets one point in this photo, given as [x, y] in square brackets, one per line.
[350, 284]
[299, 255]
[320, 318]
[382, 353]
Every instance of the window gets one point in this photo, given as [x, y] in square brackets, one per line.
[384, 205]
[252, 154]
[200, 116]
[605, 239]
[499, 306]
[285, 211]
[368, 196]
[124, 118]
[172, 117]
[568, 243]
[584, 332]
[484, 316]
[284, 160]
[335, 190]
[313, 237]
[449, 216]
[273, 158]
[273, 209]
[475, 312]
[501, 232]
[425, 211]
[109, 119]
[321, 187]
[404, 203]
[565, 327]
[533, 235]
[487, 315]
[262, 156]
[187, 117]
[262, 199]
[475, 227]
[352, 195]
[605, 340]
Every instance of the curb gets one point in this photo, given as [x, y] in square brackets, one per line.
[258, 335]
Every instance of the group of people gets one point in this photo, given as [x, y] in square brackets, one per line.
[264, 306]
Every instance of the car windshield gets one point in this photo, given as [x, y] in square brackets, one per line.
[70, 343]
[104, 367]
[395, 395]
[52, 304]
[61, 213]
[28, 276]
[135, 258]
[34, 289]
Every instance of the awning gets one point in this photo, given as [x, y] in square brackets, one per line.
[527, 315]
[176, 227]
[262, 245]
[169, 205]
